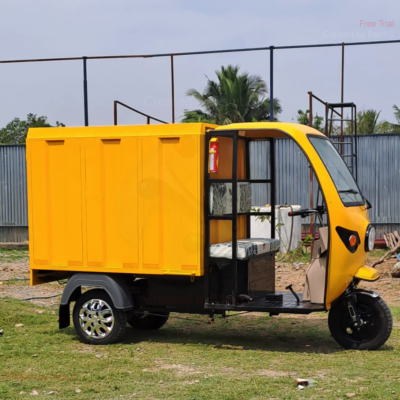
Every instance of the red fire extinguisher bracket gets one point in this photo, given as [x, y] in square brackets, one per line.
[213, 155]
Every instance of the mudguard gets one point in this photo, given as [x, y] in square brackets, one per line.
[114, 284]
[367, 292]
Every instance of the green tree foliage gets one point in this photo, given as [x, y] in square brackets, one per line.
[16, 130]
[388, 127]
[396, 113]
[368, 123]
[303, 117]
[234, 97]
[196, 116]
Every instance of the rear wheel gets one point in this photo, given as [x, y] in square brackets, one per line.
[372, 334]
[96, 320]
[148, 320]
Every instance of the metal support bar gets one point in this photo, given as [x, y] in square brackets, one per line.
[271, 83]
[355, 140]
[248, 177]
[311, 178]
[273, 187]
[193, 53]
[206, 211]
[172, 89]
[149, 117]
[326, 119]
[234, 216]
[115, 113]
[342, 97]
[85, 92]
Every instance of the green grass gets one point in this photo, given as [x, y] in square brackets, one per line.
[12, 256]
[378, 253]
[243, 357]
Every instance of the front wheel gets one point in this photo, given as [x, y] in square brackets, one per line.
[376, 327]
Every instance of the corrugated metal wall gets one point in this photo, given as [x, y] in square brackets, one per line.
[378, 178]
[13, 200]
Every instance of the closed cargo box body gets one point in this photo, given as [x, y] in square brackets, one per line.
[125, 199]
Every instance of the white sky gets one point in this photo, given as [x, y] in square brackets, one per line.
[64, 28]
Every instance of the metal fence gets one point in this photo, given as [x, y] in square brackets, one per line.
[378, 178]
[13, 201]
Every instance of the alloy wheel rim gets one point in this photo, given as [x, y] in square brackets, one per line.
[96, 319]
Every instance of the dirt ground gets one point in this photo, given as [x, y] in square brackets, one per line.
[286, 273]
[19, 287]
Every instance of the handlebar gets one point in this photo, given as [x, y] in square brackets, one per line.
[303, 213]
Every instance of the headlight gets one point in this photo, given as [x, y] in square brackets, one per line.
[370, 238]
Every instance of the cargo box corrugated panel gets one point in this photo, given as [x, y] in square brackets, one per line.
[117, 199]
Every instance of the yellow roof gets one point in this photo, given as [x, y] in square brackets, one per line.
[118, 131]
[288, 127]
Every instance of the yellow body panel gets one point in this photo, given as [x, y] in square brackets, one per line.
[342, 265]
[366, 273]
[116, 199]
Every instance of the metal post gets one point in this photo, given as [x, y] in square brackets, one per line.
[311, 176]
[207, 224]
[172, 89]
[115, 113]
[271, 83]
[342, 99]
[273, 185]
[85, 92]
[234, 216]
[148, 120]
[355, 139]
[326, 118]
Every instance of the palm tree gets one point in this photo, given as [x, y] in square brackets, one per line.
[396, 113]
[233, 98]
[388, 127]
[367, 122]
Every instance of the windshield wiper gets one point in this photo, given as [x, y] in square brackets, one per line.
[348, 191]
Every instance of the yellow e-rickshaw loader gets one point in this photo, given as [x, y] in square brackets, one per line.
[155, 219]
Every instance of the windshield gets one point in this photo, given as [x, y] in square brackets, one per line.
[340, 174]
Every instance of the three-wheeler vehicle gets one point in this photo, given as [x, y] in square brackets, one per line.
[156, 219]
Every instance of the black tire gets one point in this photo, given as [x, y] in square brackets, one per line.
[372, 335]
[104, 323]
[148, 321]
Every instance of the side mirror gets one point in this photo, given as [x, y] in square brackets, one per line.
[369, 205]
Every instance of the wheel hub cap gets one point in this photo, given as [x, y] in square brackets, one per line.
[96, 318]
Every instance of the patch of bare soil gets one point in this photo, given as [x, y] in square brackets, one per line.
[386, 286]
[14, 278]
[16, 270]
[178, 369]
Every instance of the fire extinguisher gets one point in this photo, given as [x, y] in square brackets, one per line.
[213, 152]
